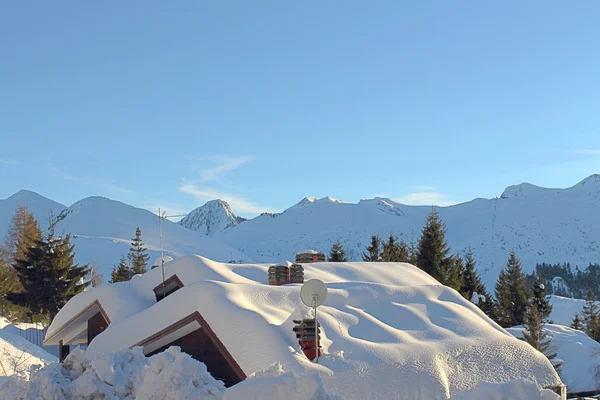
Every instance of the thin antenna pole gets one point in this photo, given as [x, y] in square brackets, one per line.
[316, 328]
[162, 257]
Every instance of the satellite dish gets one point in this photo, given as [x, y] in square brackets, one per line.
[313, 293]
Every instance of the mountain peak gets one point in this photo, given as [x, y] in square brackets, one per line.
[212, 218]
[593, 179]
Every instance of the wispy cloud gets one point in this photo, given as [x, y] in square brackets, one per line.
[8, 161]
[61, 173]
[238, 203]
[426, 198]
[587, 152]
[218, 166]
[118, 189]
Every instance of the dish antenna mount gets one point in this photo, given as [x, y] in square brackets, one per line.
[313, 294]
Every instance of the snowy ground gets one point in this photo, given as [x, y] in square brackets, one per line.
[580, 353]
[565, 308]
[173, 375]
[17, 354]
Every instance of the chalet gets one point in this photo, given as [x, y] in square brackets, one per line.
[390, 318]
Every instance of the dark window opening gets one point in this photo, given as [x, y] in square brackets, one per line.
[96, 325]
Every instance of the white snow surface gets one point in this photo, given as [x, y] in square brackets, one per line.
[520, 389]
[565, 308]
[17, 354]
[580, 353]
[124, 374]
[386, 327]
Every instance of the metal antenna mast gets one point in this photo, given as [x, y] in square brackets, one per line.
[162, 255]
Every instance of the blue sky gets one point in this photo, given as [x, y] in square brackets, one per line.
[262, 103]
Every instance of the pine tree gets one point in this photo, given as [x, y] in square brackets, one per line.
[337, 253]
[122, 273]
[591, 317]
[374, 251]
[453, 270]
[412, 253]
[8, 283]
[577, 323]
[390, 249]
[511, 293]
[49, 276]
[402, 251]
[471, 279]
[138, 258]
[22, 233]
[433, 250]
[533, 332]
[540, 299]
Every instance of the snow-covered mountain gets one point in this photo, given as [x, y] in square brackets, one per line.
[540, 224]
[39, 205]
[102, 230]
[212, 218]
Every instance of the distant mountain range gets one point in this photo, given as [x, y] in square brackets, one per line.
[540, 224]
[102, 230]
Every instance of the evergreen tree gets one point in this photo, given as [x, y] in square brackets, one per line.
[22, 233]
[511, 293]
[337, 253]
[412, 253]
[454, 271]
[471, 279]
[122, 273]
[373, 250]
[577, 323]
[540, 299]
[591, 317]
[49, 276]
[390, 250]
[402, 252]
[433, 250]
[8, 283]
[138, 258]
[533, 332]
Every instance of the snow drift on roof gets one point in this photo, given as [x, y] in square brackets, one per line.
[389, 324]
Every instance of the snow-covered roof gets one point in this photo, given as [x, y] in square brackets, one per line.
[388, 323]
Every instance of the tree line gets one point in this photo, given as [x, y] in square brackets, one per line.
[138, 260]
[38, 274]
[516, 300]
[578, 281]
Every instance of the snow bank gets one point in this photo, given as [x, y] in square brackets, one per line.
[580, 353]
[282, 387]
[17, 354]
[124, 374]
[517, 389]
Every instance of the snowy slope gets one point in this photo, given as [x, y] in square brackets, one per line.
[104, 228]
[212, 218]
[564, 309]
[39, 205]
[551, 225]
[17, 354]
[387, 328]
[580, 353]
